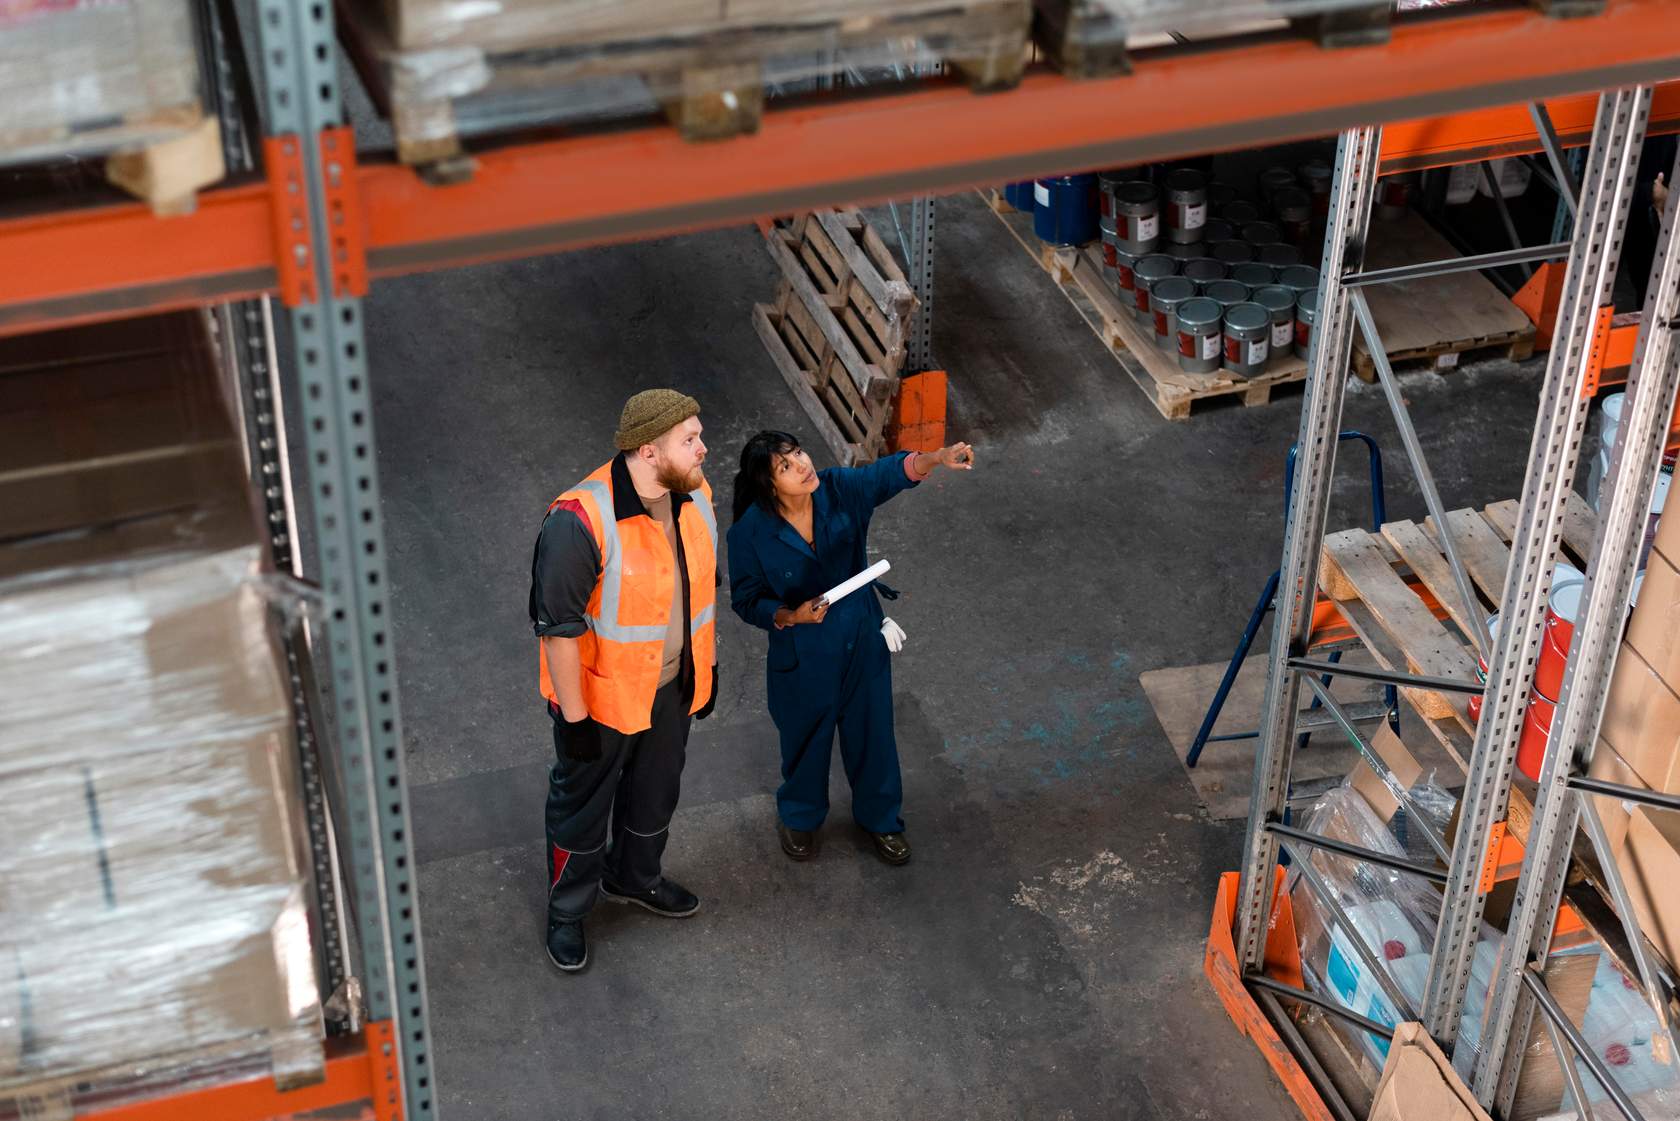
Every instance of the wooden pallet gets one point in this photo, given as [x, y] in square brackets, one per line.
[1397, 592]
[837, 329]
[1439, 319]
[1079, 275]
[709, 78]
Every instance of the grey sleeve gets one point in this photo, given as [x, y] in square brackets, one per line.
[565, 567]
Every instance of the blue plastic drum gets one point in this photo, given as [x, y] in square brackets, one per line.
[1019, 195]
[1065, 209]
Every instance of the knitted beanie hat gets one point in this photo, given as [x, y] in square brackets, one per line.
[650, 414]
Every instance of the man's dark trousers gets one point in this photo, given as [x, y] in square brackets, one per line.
[626, 796]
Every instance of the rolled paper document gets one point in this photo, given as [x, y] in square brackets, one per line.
[841, 591]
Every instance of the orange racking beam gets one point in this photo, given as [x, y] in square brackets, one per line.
[594, 188]
[361, 1071]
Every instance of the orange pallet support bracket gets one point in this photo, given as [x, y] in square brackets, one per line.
[361, 1070]
[1283, 964]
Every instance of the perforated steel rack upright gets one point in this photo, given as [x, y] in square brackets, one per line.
[1593, 252]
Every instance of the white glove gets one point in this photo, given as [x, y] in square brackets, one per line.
[894, 634]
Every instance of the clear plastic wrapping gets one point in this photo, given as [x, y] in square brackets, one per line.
[152, 906]
[80, 76]
[461, 67]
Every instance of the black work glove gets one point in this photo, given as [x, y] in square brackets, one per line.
[711, 701]
[580, 739]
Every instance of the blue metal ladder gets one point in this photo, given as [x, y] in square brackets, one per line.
[1379, 515]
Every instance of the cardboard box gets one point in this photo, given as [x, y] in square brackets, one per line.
[1654, 629]
[1650, 866]
[1419, 1083]
[1667, 541]
[1614, 812]
[1642, 721]
[100, 425]
[1406, 769]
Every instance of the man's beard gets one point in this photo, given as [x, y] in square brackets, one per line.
[677, 482]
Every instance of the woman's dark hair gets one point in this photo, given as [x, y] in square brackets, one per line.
[758, 460]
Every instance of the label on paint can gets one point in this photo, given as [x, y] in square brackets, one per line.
[1041, 194]
[1128, 282]
[1195, 217]
[1161, 324]
[1303, 333]
[1142, 297]
[1258, 351]
[1210, 347]
[1147, 228]
[1282, 334]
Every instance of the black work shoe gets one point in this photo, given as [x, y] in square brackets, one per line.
[667, 898]
[891, 847]
[799, 844]
[567, 947]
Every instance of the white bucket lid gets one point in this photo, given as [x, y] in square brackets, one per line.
[1638, 582]
[1564, 572]
[1613, 407]
[1660, 495]
[1565, 600]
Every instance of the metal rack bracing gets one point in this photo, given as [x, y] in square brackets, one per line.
[1519, 990]
[303, 219]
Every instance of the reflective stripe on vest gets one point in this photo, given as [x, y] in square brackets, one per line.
[709, 516]
[606, 625]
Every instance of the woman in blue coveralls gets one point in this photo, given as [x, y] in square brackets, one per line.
[799, 532]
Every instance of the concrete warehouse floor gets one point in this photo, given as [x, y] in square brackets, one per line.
[1041, 955]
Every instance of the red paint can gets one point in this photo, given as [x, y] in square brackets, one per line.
[1562, 609]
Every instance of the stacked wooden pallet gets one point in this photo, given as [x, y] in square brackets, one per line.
[838, 327]
[706, 64]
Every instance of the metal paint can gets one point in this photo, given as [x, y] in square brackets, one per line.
[1262, 233]
[1248, 339]
[1317, 177]
[1200, 335]
[1306, 314]
[1125, 283]
[1187, 206]
[1137, 217]
[1185, 250]
[1226, 293]
[1164, 300]
[1394, 195]
[1107, 183]
[1294, 210]
[1145, 273]
[1065, 209]
[1273, 180]
[1108, 243]
[1239, 212]
[1204, 271]
[1279, 303]
[1231, 252]
[1299, 277]
[1218, 229]
[1254, 274]
[1280, 256]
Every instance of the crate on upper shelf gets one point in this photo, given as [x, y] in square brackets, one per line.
[837, 329]
[452, 69]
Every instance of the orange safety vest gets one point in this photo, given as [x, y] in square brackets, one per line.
[631, 606]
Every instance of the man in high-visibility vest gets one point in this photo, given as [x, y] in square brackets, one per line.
[624, 602]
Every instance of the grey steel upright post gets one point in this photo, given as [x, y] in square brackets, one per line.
[1556, 443]
[302, 98]
[920, 350]
[1351, 195]
[1651, 392]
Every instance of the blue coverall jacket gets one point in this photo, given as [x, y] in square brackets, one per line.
[830, 675]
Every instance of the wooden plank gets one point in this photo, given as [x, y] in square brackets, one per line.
[863, 375]
[1580, 527]
[1427, 647]
[1502, 516]
[862, 268]
[1486, 558]
[882, 256]
[844, 452]
[836, 264]
[865, 339]
[1417, 549]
